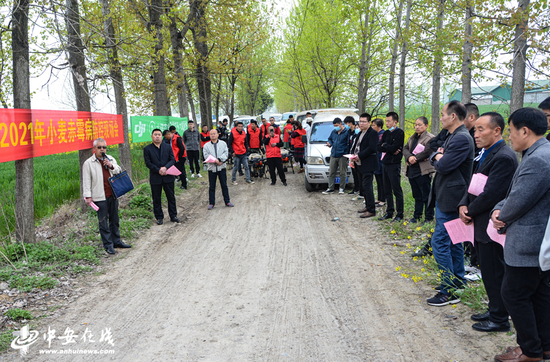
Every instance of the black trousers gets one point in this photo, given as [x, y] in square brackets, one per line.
[180, 165]
[108, 222]
[492, 266]
[380, 186]
[193, 157]
[356, 179]
[157, 204]
[421, 186]
[366, 189]
[212, 177]
[526, 295]
[276, 163]
[392, 186]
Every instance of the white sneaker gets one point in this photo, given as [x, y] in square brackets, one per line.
[192, 175]
[234, 183]
[249, 181]
[199, 175]
[341, 192]
[328, 191]
[473, 276]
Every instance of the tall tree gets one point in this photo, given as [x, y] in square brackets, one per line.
[520, 56]
[24, 169]
[176, 38]
[436, 74]
[162, 104]
[467, 55]
[115, 72]
[78, 71]
[391, 86]
[402, 66]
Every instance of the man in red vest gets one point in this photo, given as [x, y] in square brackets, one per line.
[238, 146]
[205, 137]
[180, 153]
[273, 144]
[253, 137]
[287, 130]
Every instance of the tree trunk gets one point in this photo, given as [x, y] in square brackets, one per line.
[78, 71]
[391, 87]
[436, 75]
[467, 57]
[115, 73]
[24, 169]
[202, 72]
[162, 104]
[402, 65]
[363, 66]
[189, 98]
[520, 53]
[218, 94]
[177, 49]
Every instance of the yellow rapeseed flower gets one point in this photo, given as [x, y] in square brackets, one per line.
[409, 237]
[397, 268]
[392, 232]
[432, 230]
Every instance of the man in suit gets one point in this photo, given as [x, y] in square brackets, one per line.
[545, 107]
[498, 162]
[159, 157]
[453, 164]
[366, 162]
[523, 216]
[419, 170]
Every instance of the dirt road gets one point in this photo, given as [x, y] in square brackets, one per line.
[272, 279]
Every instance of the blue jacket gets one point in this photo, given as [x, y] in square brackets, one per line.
[339, 143]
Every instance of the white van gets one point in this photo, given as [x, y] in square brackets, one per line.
[318, 153]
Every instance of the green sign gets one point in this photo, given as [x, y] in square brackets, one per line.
[143, 126]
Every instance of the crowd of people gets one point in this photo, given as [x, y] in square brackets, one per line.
[514, 197]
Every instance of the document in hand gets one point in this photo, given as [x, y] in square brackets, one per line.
[349, 155]
[419, 148]
[494, 235]
[477, 184]
[460, 232]
[173, 171]
[210, 159]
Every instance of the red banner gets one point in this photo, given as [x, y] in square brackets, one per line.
[27, 133]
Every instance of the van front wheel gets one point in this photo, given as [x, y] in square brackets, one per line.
[309, 187]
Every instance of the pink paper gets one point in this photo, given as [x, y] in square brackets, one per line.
[383, 155]
[419, 148]
[460, 232]
[173, 171]
[94, 206]
[477, 184]
[210, 159]
[494, 235]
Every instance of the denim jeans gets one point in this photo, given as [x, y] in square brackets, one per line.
[239, 160]
[108, 222]
[449, 256]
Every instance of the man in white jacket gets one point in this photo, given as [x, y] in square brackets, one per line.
[96, 172]
[217, 170]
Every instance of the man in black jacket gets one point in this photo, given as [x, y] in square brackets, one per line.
[498, 162]
[175, 141]
[159, 157]
[366, 162]
[453, 165]
[391, 145]
[354, 131]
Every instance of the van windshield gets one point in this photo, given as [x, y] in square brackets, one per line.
[320, 132]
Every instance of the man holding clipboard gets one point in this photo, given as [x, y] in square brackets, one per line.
[493, 172]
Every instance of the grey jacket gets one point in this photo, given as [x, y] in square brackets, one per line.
[526, 208]
[192, 139]
[220, 153]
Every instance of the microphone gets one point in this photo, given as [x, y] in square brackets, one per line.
[104, 165]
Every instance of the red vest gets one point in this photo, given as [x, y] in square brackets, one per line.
[286, 130]
[254, 141]
[204, 134]
[273, 152]
[238, 142]
[175, 148]
[298, 140]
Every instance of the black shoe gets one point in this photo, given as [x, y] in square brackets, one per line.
[420, 253]
[480, 317]
[438, 288]
[385, 217]
[241, 174]
[398, 218]
[441, 299]
[110, 251]
[284, 183]
[159, 221]
[183, 187]
[175, 219]
[489, 326]
[122, 245]
[272, 184]
[413, 221]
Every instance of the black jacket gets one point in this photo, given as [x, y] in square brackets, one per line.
[367, 151]
[499, 166]
[439, 140]
[154, 163]
[453, 170]
[391, 142]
